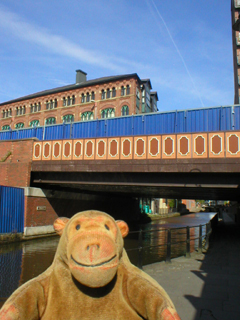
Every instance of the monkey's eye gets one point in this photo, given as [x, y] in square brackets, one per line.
[77, 227]
[106, 226]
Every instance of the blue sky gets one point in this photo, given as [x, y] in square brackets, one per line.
[184, 47]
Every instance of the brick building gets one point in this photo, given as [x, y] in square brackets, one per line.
[112, 96]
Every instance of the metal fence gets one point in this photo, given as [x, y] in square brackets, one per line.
[182, 237]
[180, 121]
[11, 210]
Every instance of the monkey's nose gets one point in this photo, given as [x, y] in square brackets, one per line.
[93, 247]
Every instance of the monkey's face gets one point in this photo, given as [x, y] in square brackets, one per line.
[94, 248]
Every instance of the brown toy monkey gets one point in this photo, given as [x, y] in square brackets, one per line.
[90, 278]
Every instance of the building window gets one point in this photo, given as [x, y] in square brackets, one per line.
[83, 98]
[73, 100]
[103, 96]
[88, 115]
[50, 120]
[7, 127]
[125, 111]
[88, 97]
[113, 92]
[51, 104]
[127, 89]
[108, 93]
[68, 101]
[34, 123]
[7, 113]
[36, 107]
[68, 118]
[92, 95]
[122, 91]
[137, 93]
[19, 125]
[108, 113]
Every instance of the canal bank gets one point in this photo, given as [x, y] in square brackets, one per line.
[205, 286]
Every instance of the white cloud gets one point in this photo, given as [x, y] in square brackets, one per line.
[58, 44]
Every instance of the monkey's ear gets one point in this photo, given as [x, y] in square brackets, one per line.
[123, 228]
[59, 225]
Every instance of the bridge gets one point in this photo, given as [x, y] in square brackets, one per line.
[203, 165]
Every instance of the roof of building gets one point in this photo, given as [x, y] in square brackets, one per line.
[147, 80]
[154, 93]
[74, 86]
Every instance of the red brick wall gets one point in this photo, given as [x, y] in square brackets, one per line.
[15, 171]
[78, 108]
[35, 218]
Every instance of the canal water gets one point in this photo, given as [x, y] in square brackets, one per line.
[20, 262]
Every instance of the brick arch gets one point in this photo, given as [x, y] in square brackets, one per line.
[107, 106]
[126, 103]
[50, 115]
[66, 112]
[34, 118]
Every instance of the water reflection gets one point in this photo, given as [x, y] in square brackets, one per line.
[20, 262]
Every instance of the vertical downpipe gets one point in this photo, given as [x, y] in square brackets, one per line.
[43, 136]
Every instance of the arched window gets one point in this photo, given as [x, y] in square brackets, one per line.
[113, 92]
[108, 93]
[125, 111]
[51, 104]
[73, 99]
[68, 101]
[19, 125]
[103, 94]
[92, 95]
[34, 123]
[7, 127]
[88, 97]
[127, 89]
[122, 91]
[64, 101]
[68, 118]
[83, 98]
[24, 109]
[17, 111]
[36, 107]
[108, 113]
[88, 115]
[50, 120]
[4, 114]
